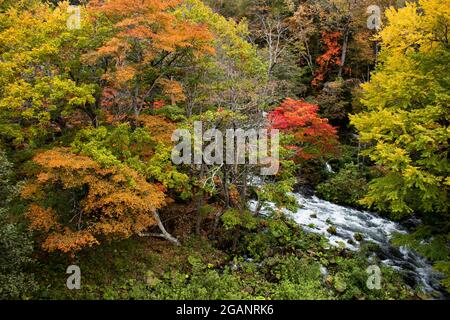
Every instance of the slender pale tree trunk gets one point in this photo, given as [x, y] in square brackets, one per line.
[344, 51]
[164, 234]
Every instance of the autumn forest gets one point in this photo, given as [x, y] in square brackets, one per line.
[240, 149]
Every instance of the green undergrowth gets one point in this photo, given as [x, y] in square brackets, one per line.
[293, 265]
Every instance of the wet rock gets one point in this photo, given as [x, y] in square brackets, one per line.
[332, 230]
[329, 280]
[358, 237]
[339, 283]
[324, 271]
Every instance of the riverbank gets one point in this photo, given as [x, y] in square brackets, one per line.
[275, 260]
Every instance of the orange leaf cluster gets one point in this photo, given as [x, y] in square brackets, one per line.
[158, 104]
[69, 241]
[41, 219]
[145, 35]
[330, 58]
[150, 23]
[172, 89]
[160, 128]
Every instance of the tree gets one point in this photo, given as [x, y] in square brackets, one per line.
[114, 202]
[140, 50]
[113, 179]
[405, 126]
[320, 27]
[313, 136]
[144, 144]
[235, 77]
[405, 121]
[226, 91]
[38, 89]
[330, 58]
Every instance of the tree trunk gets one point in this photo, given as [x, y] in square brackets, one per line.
[216, 223]
[344, 51]
[244, 187]
[164, 234]
[225, 187]
[200, 203]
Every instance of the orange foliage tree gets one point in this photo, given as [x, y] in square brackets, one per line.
[140, 50]
[113, 202]
[330, 58]
[113, 180]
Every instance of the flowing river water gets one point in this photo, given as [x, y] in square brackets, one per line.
[316, 215]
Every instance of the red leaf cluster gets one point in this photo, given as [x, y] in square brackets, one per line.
[315, 137]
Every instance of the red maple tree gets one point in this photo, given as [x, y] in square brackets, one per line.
[314, 136]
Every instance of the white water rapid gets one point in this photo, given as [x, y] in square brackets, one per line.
[317, 216]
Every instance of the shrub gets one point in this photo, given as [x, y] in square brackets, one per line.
[299, 279]
[16, 248]
[349, 278]
[15, 244]
[347, 187]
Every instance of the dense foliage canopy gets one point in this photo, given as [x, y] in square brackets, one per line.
[92, 95]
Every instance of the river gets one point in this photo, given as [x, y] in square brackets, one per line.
[317, 215]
